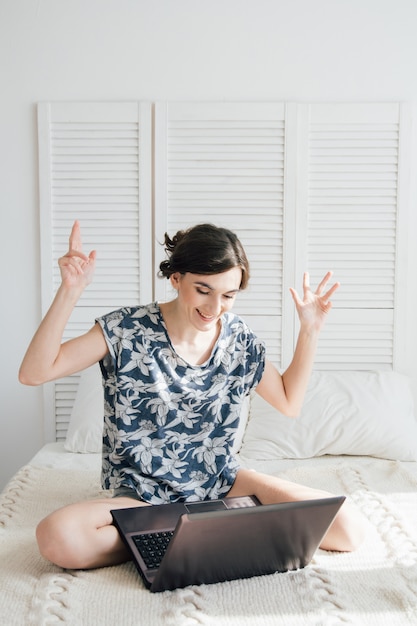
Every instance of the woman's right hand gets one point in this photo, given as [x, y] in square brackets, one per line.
[47, 357]
[76, 268]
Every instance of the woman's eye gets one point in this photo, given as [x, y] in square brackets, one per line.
[204, 293]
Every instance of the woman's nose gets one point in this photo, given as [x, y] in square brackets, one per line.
[215, 305]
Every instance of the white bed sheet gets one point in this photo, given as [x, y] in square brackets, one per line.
[54, 456]
[374, 586]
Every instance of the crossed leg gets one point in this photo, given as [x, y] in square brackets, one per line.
[82, 536]
[348, 528]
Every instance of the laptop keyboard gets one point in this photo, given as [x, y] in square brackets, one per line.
[152, 547]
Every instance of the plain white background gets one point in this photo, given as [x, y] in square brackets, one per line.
[218, 50]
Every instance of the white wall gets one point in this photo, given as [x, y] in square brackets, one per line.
[351, 50]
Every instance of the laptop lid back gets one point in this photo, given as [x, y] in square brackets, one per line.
[225, 545]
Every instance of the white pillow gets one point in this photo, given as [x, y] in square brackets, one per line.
[355, 413]
[86, 421]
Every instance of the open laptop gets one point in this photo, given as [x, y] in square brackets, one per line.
[175, 545]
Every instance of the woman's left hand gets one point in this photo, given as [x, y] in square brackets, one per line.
[314, 306]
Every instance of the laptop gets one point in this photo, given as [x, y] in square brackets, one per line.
[194, 543]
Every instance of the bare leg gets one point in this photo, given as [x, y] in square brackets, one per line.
[348, 528]
[82, 536]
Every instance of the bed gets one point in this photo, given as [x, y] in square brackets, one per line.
[356, 435]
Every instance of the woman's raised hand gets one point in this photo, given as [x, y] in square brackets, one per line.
[77, 268]
[314, 306]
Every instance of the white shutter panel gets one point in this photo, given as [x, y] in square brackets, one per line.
[304, 187]
[224, 163]
[95, 164]
[352, 217]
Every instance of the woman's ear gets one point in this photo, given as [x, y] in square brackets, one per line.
[175, 279]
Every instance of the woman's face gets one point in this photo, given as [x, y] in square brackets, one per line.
[204, 299]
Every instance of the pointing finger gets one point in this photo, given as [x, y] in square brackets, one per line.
[306, 281]
[75, 237]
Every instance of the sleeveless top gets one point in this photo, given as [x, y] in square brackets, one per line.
[169, 426]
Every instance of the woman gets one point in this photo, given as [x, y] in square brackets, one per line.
[175, 377]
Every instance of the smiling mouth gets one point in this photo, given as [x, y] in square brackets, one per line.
[206, 318]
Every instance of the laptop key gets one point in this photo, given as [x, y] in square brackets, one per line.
[152, 547]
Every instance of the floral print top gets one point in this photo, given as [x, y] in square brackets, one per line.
[169, 426]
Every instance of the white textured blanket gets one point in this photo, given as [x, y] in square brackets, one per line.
[376, 585]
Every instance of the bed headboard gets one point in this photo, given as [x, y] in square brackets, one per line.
[305, 186]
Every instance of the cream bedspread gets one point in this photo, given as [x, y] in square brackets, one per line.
[376, 585]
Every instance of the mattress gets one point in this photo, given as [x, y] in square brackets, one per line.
[375, 585]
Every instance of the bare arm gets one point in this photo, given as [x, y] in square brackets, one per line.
[47, 358]
[286, 393]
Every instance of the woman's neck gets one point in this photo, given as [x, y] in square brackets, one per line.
[192, 345]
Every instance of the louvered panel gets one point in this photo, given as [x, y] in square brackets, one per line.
[78, 153]
[353, 154]
[269, 330]
[333, 170]
[225, 164]
[352, 208]
[356, 340]
[95, 166]
[83, 318]
[64, 395]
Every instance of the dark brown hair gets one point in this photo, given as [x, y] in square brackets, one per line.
[204, 249]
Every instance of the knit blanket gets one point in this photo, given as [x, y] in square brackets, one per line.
[375, 585]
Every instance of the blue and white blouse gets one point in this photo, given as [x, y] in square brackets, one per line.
[169, 426]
